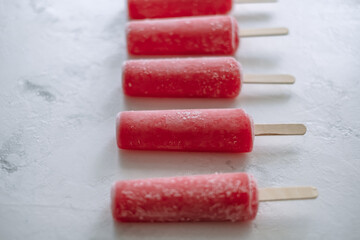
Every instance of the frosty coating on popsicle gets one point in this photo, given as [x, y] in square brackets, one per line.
[140, 9]
[201, 130]
[189, 36]
[218, 197]
[209, 77]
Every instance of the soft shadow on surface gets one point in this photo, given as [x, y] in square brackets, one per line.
[189, 163]
[251, 17]
[192, 163]
[260, 61]
[265, 148]
[264, 156]
[261, 228]
[148, 103]
[244, 60]
[209, 230]
[262, 97]
[259, 96]
[270, 146]
[283, 221]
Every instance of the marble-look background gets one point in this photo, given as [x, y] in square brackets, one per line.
[60, 89]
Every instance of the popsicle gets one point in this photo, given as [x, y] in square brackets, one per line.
[218, 197]
[190, 36]
[208, 77]
[140, 9]
[199, 130]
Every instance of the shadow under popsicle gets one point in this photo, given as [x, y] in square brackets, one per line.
[192, 163]
[187, 163]
[208, 230]
[242, 17]
[150, 103]
[266, 94]
[261, 62]
[269, 224]
[266, 154]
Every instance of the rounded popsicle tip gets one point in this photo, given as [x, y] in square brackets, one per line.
[118, 118]
[237, 73]
[252, 129]
[254, 197]
[112, 200]
[117, 129]
[123, 76]
[235, 35]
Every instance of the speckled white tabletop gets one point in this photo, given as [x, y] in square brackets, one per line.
[60, 89]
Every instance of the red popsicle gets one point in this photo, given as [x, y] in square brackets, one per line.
[226, 197]
[198, 35]
[219, 197]
[206, 77]
[197, 77]
[190, 36]
[201, 130]
[140, 9]
[208, 130]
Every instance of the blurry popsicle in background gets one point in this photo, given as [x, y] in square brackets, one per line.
[140, 9]
[219, 77]
[218, 197]
[199, 130]
[190, 36]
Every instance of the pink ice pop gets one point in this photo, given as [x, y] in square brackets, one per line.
[219, 77]
[204, 130]
[184, 36]
[201, 130]
[140, 9]
[218, 197]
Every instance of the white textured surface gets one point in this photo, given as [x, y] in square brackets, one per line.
[60, 74]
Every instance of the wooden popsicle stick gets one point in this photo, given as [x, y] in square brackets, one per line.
[287, 193]
[279, 129]
[255, 1]
[269, 79]
[263, 32]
